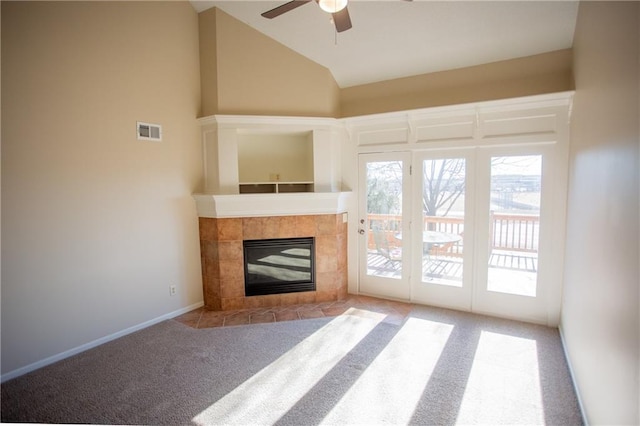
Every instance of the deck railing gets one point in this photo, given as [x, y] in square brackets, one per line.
[513, 232]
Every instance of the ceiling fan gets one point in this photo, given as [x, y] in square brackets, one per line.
[337, 8]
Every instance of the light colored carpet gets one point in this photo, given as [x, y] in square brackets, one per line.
[438, 367]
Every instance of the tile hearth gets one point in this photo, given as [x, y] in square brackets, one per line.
[394, 312]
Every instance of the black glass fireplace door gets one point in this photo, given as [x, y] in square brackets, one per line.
[283, 265]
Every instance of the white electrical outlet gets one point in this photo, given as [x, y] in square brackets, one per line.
[172, 290]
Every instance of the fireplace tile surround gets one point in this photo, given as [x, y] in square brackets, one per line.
[222, 258]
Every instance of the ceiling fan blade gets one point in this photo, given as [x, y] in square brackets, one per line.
[342, 20]
[277, 11]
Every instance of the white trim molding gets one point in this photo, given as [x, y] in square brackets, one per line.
[258, 205]
[485, 123]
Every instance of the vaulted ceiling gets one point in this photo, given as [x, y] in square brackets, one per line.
[394, 38]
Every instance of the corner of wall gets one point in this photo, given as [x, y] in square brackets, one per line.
[600, 323]
[208, 62]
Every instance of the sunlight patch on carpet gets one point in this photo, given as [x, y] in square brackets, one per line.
[390, 388]
[504, 383]
[274, 390]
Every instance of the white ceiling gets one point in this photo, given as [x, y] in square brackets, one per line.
[394, 38]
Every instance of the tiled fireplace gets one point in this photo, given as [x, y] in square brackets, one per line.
[222, 258]
[270, 178]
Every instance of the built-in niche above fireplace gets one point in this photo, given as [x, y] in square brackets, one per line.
[281, 265]
[260, 154]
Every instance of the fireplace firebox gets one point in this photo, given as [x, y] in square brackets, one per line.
[283, 265]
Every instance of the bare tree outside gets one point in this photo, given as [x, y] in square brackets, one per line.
[384, 187]
[443, 184]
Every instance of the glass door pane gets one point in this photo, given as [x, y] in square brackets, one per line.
[384, 217]
[443, 234]
[514, 224]
[384, 237]
[442, 225]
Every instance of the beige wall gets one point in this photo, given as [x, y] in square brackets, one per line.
[96, 225]
[208, 63]
[261, 156]
[600, 322]
[245, 72]
[258, 76]
[532, 75]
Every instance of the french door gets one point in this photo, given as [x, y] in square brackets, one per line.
[469, 229]
[515, 257]
[443, 191]
[384, 224]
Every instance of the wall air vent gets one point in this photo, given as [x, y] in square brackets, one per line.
[148, 131]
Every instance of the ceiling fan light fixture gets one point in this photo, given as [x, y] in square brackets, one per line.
[332, 6]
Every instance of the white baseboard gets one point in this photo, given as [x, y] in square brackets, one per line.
[74, 351]
[573, 377]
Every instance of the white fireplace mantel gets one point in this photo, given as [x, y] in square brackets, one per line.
[258, 205]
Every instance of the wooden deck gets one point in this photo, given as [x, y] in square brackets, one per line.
[449, 267]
